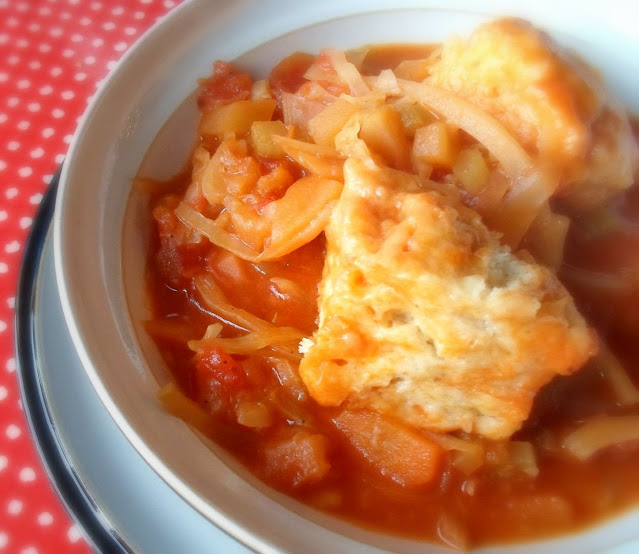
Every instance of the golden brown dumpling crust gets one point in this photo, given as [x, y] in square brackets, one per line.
[424, 314]
[552, 102]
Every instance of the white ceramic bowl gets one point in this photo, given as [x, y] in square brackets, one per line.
[142, 118]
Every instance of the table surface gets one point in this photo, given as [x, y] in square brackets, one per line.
[53, 56]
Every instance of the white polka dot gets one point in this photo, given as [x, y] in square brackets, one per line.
[146, 1]
[73, 534]
[45, 518]
[35, 64]
[3, 215]
[46, 90]
[25, 222]
[56, 32]
[108, 26]
[4, 38]
[67, 139]
[3, 117]
[3, 166]
[138, 15]
[4, 462]
[23, 84]
[13, 101]
[35, 199]
[4, 540]
[169, 4]
[13, 59]
[74, 2]
[34, 27]
[44, 10]
[48, 132]
[37, 152]
[85, 21]
[59, 158]
[11, 365]
[44, 47]
[65, 15]
[120, 46]
[47, 179]
[55, 71]
[4, 392]
[30, 550]
[14, 507]
[4, 76]
[97, 42]
[13, 145]
[27, 474]
[12, 22]
[130, 31]
[57, 113]
[89, 60]
[68, 53]
[67, 94]
[23, 125]
[13, 432]
[34, 107]
[11, 302]
[12, 247]
[76, 37]
[25, 171]
[119, 10]
[111, 64]
[3, 326]
[22, 43]
[96, 6]
[4, 268]
[80, 76]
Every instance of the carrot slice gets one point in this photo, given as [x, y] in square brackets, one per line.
[395, 450]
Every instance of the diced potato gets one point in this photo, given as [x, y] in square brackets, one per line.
[383, 132]
[413, 115]
[471, 170]
[236, 117]
[392, 448]
[435, 145]
[546, 237]
[253, 414]
[262, 138]
[325, 125]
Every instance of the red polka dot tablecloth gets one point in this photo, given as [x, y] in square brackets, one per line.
[53, 55]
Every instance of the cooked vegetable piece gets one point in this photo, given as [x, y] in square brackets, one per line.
[262, 138]
[236, 117]
[391, 448]
[602, 432]
[383, 132]
[296, 460]
[434, 144]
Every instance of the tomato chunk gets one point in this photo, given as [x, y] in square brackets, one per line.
[225, 86]
[218, 378]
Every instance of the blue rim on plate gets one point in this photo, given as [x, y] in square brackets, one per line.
[78, 502]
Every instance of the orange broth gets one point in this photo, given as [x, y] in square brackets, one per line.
[485, 507]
